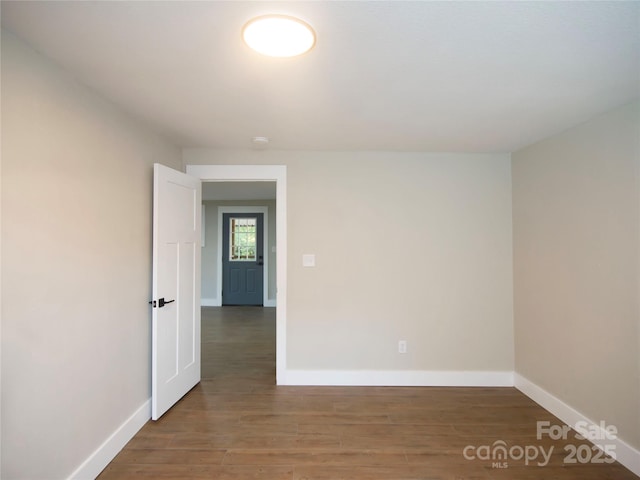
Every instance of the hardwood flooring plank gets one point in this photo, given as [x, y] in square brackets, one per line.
[148, 440]
[316, 457]
[196, 440]
[170, 456]
[437, 443]
[375, 430]
[314, 418]
[224, 427]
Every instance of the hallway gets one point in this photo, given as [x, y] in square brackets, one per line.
[236, 424]
[239, 342]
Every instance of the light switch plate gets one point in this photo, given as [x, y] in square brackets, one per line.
[308, 260]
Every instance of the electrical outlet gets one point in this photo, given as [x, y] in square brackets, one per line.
[402, 346]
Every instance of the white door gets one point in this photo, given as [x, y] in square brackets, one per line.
[175, 365]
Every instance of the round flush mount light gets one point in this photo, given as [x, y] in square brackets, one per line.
[279, 36]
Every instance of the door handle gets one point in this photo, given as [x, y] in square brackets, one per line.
[260, 262]
[160, 303]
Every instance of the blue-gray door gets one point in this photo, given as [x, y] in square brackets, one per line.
[242, 259]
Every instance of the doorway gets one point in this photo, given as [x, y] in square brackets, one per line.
[228, 174]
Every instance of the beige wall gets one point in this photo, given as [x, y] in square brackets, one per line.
[408, 246]
[210, 250]
[76, 250]
[576, 217]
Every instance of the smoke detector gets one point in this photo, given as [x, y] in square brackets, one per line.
[260, 143]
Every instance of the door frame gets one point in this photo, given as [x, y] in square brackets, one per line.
[265, 244]
[262, 173]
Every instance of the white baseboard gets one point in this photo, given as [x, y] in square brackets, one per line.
[625, 453]
[106, 452]
[395, 378]
[210, 302]
[270, 302]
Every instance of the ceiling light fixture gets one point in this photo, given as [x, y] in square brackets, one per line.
[279, 36]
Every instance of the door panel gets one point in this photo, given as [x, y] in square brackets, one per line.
[234, 280]
[175, 365]
[251, 280]
[242, 259]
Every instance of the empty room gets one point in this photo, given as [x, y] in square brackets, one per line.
[320, 240]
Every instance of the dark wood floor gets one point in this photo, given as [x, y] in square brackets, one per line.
[236, 424]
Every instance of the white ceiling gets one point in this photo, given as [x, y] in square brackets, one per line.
[384, 75]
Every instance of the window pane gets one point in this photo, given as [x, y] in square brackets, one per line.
[242, 239]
